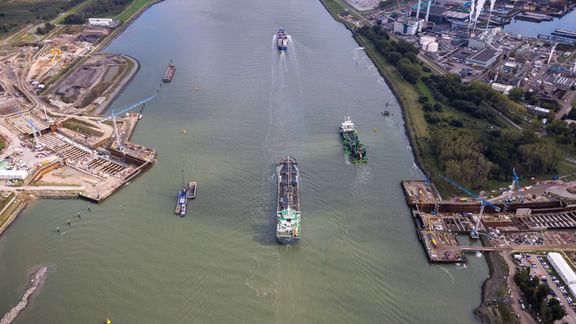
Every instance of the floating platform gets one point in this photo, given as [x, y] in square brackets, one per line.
[565, 33]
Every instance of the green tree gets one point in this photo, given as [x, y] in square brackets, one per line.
[516, 94]
[539, 158]
[408, 70]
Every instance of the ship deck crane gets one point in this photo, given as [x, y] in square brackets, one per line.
[483, 203]
[116, 113]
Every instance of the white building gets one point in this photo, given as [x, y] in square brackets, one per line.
[103, 22]
[13, 174]
[504, 88]
[408, 25]
[564, 270]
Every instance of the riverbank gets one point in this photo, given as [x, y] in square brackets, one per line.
[405, 93]
[18, 200]
[417, 132]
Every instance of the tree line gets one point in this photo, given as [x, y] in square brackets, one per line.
[97, 9]
[399, 53]
[536, 294]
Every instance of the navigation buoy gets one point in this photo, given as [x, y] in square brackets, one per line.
[108, 321]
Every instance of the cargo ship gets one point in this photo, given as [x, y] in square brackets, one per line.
[169, 74]
[181, 202]
[288, 213]
[355, 150]
[281, 39]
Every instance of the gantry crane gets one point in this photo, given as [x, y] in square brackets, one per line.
[114, 114]
[483, 203]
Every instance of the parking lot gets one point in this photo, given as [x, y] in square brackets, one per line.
[540, 267]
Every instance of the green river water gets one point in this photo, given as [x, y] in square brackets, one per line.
[132, 260]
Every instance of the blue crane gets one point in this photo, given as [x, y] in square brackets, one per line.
[119, 112]
[483, 203]
[35, 132]
[516, 179]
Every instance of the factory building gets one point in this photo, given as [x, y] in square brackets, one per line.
[484, 58]
[103, 22]
[13, 174]
[407, 26]
[564, 270]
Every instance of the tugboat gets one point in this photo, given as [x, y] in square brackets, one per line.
[281, 39]
[181, 203]
[355, 150]
[181, 199]
[288, 212]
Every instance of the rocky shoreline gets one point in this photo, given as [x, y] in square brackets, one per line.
[36, 278]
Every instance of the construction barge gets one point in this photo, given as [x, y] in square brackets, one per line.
[169, 74]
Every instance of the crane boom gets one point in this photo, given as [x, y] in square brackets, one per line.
[115, 113]
[128, 108]
[470, 193]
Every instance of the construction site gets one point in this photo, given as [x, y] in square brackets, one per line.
[540, 216]
[57, 145]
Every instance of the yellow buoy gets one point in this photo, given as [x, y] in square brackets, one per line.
[108, 321]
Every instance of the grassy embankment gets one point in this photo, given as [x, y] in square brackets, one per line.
[81, 127]
[424, 128]
[133, 9]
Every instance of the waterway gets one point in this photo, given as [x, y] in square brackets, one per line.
[532, 29]
[236, 105]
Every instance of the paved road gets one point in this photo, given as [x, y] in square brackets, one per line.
[515, 291]
[540, 271]
[567, 105]
[42, 188]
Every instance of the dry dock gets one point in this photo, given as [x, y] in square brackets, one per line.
[439, 222]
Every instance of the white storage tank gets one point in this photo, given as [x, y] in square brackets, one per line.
[432, 47]
[427, 39]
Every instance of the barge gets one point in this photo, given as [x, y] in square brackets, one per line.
[169, 74]
[191, 190]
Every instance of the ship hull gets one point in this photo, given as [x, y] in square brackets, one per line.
[288, 240]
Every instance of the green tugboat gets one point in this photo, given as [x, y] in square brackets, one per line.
[355, 150]
[288, 213]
